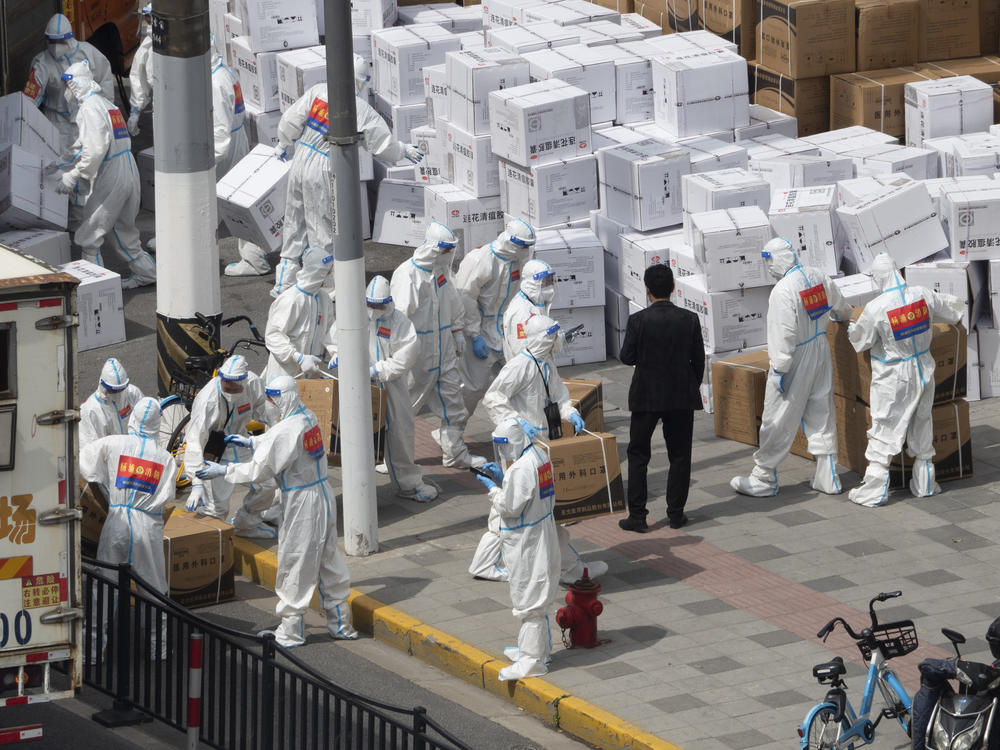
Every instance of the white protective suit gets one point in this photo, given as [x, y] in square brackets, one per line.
[799, 390]
[299, 321]
[231, 145]
[524, 504]
[140, 75]
[393, 350]
[292, 453]
[898, 326]
[422, 291]
[307, 206]
[487, 279]
[108, 409]
[533, 298]
[44, 86]
[104, 179]
[215, 410]
[519, 392]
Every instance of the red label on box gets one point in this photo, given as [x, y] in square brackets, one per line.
[814, 301]
[909, 320]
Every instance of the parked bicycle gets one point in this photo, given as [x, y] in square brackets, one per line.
[833, 724]
[185, 384]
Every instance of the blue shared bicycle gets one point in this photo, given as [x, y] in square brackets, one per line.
[834, 724]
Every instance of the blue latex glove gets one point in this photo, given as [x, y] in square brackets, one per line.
[211, 470]
[780, 380]
[241, 440]
[479, 347]
[489, 484]
[281, 153]
[529, 429]
[493, 470]
[578, 424]
[333, 363]
[373, 372]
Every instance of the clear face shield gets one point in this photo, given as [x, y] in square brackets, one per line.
[230, 388]
[504, 452]
[114, 394]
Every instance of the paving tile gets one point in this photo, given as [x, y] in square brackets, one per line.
[828, 583]
[640, 574]
[783, 698]
[707, 607]
[745, 739]
[717, 665]
[431, 557]
[677, 703]
[775, 638]
[864, 547]
[762, 553]
[933, 578]
[480, 606]
[955, 537]
[797, 517]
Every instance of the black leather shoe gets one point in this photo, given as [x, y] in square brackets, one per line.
[634, 524]
[676, 523]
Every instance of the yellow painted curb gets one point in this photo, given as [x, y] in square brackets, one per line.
[543, 699]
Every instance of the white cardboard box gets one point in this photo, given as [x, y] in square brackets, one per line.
[370, 15]
[993, 286]
[637, 22]
[504, 13]
[607, 33]
[433, 168]
[521, 39]
[577, 258]
[589, 345]
[946, 106]
[950, 277]
[641, 183]
[616, 135]
[298, 71]
[711, 155]
[989, 362]
[616, 310]
[633, 85]
[99, 305]
[252, 198]
[845, 139]
[399, 215]
[455, 18]
[436, 94]
[764, 121]
[805, 217]
[472, 164]
[24, 125]
[973, 218]
[977, 158]
[860, 189]
[145, 162]
[729, 320]
[583, 67]
[401, 118]
[609, 232]
[973, 368]
[233, 27]
[700, 92]
[802, 170]
[727, 246]
[400, 55]
[683, 263]
[918, 163]
[639, 253]
[262, 127]
[28, 197]
[471, 76]
[281, 24]
[540, 122]
[258, 74]
[901, 222]
[551, 193]
[857, 289]
[48, 245]
[777, 144]
[727, 188]
[568, 12]
[475, 221]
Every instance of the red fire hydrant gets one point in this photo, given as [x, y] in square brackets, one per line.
[579, 616]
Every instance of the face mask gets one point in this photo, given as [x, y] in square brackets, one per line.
[548, 294]
[116, 398]
[60, 49]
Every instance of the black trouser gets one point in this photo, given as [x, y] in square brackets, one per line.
[678, 427]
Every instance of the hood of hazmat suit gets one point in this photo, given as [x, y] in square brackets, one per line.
[779, 257]
[541, 335]
[362, 75]
[378, 299]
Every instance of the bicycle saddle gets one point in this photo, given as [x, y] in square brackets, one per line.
[829, 670]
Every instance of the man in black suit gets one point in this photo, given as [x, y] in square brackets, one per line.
[664, 344]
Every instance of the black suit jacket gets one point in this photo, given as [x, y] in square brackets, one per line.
[665, 345]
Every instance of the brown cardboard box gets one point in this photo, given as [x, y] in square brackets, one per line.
[807, 99]
[738, 388]
[948, 28]
[733, 20]
[587, 477]
[320, 395]
[989, 27]
[94, 506]
[622, 6]
[588, 398]
[806, 38]
[887, 33]
[996, 102]
[671, 15]
[199, 558]
[873, 98]
[985, 69]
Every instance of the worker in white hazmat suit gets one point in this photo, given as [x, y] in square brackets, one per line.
[530, 390]
[44, 86]
[422, 292]
[393, 351]
[299, 321]
[307, 205]
[524, 501]
[799, 390]
[140, 75]
[104, 179]
[537, 290]
[897, 327]
[231, 145]
[219, 414]
[487, 279]
[292, 453]
[108, 409]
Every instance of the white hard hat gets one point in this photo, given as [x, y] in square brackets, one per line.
[114, 378]
[520, 233]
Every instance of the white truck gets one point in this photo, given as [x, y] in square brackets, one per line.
[41, 607]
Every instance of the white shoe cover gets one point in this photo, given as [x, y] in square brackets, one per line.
[290, 633]
[242, 268]
[381, 468]
[513, 653]
[533, 647]
[143, 270]
[422, 493]
[761, 483]
[338, 623]
[260, 531]
[272, 515]
[874, 489]
[825, 479]
[595, 569]
[922, 482]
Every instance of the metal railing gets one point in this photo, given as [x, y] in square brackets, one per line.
[255, 694]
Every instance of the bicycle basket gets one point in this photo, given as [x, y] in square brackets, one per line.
[893, 639]
[183, 387]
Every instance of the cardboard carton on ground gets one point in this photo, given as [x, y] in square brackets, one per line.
[948, 29]
[805, 218]
[738, 395]
[973, 219]
[47, 245]
[806, 99]
[471, 162]
[918, 163]
[888, 33]
[145, 162]
[252, 198]
[587, 68]
[199, 559]
[399, 214]
[874, 98]
[947, 107]
[576, 258]
[258, 74]
[99, 304]
[696, 93]
[729, 320]
[589, 345]
[475, 221]
[587, 396]
[639, 252]
[400, 55]
[727, 188]
[587, 477]
[370, 15]
[766, 121]
[641, 183]
[802, 170]
[806, 38]
[471, 76]
[321, 396]
[727, 246]
[298, 71]
[552, 193]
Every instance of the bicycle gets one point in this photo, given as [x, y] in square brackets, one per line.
[833, 723]
[184, 385]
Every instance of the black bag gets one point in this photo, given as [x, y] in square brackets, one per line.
[215, 446]
[551, 409]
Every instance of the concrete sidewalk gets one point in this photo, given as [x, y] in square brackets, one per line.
[709, 630]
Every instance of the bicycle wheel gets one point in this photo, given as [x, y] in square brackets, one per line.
[893, 702]
[172, 413]
[823, 730]
[176, 446]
